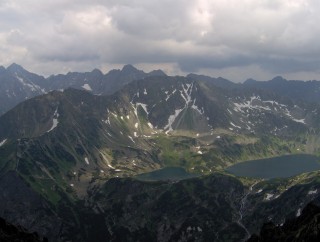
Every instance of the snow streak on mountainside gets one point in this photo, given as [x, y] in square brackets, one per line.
[3, 142]
[62, 148]
[55, 121]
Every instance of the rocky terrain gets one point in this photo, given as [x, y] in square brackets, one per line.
[69, 158]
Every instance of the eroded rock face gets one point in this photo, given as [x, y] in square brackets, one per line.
[9, 233]
[306, 227]
[22, 205]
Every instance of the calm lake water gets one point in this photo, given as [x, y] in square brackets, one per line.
[277, 167]
[167, 173]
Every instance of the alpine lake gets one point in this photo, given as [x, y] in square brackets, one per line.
[276, 167]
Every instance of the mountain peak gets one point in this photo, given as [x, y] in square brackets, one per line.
[157, 73]
[96, 71]
[250, 81]
[129, 68]
[278, 79]
[15, 68]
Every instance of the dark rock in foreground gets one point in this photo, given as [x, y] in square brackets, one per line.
[306, 227]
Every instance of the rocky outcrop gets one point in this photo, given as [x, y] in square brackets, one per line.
[305, 227]
[11, 233]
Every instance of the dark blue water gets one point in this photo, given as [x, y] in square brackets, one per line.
[277, 167]
[168, 173]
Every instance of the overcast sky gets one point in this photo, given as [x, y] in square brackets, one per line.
[235, 39]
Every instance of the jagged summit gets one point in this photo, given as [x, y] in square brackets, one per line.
[96, 71]
[278, 79]
[157, 73]
[129, 68]
[2, 69]
[18, 84]
[15, 67]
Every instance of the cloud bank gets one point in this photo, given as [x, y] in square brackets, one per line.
[235, 39]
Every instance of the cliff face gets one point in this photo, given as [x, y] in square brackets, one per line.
[21, 205]
[306, 227]
[10, 233]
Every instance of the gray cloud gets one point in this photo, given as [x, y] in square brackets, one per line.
[276, 37]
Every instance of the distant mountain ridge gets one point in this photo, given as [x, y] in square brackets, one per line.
[17, 84]
[298, 90]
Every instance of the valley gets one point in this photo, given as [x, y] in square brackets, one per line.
[144, 158]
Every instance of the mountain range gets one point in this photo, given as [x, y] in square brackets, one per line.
[18, 84]
[71, 147]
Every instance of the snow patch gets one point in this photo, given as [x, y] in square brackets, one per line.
[107, 121]
[195, 107]
[185, 93]
[235, 125]
[168, 96]
[150, 125]
[172, 118]
[136, 125]
[303, 121]
[239, 107]
[3, 142]
[107, 161]
[287, 112]
[269, 196]
[135, 134]
[199, 152]
[145, 92]
[298, 212]
[55, 121]
[87, 87]
[32, 86]
[309, 193]
[144, 106]
[131, 139]
[86, 160]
